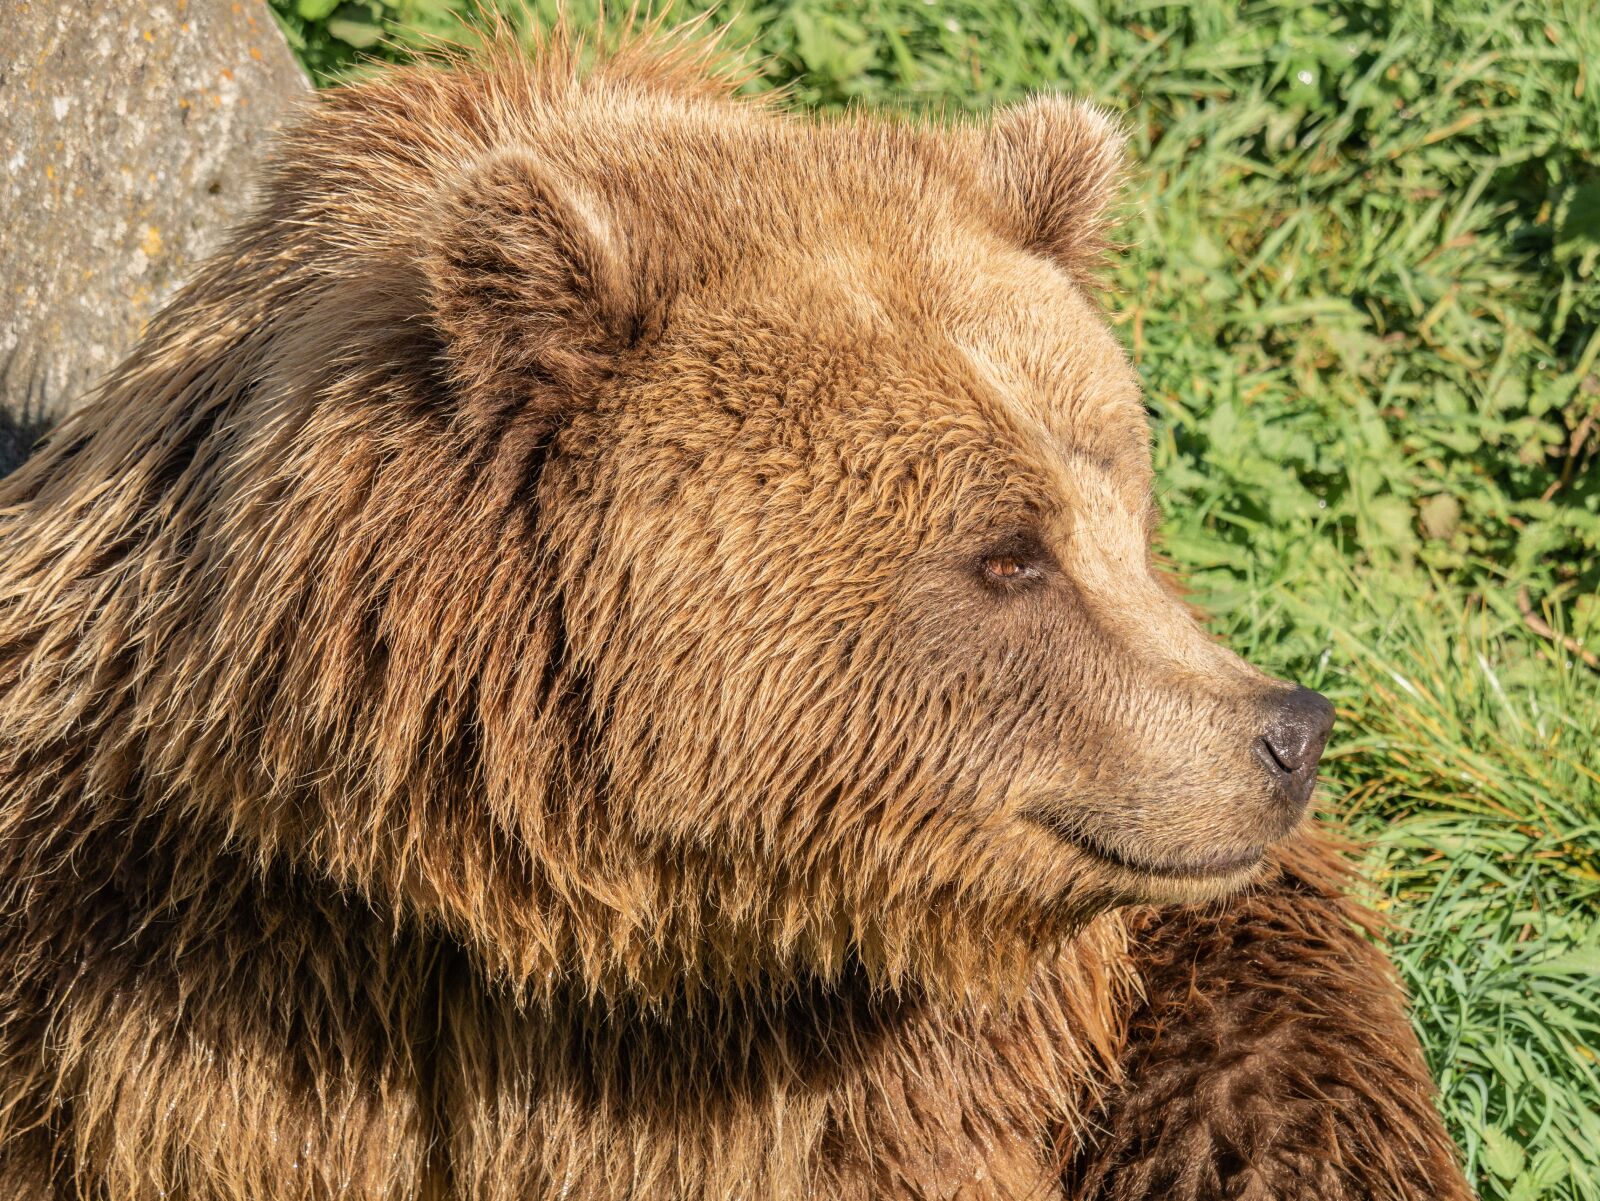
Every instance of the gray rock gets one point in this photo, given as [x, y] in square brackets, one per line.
[129, 134]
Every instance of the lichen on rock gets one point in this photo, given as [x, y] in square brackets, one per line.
[127, 144]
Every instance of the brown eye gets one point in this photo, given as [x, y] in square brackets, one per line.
[1010, 562]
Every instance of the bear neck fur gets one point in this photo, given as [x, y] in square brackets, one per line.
[225, 1027]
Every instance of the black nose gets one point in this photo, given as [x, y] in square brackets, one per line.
[1291, 746]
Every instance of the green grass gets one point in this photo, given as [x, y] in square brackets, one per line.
[1362, 284]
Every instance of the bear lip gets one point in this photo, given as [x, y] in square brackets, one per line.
[1219, 865]
[1209, 868]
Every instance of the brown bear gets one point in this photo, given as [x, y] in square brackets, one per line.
[608, 648]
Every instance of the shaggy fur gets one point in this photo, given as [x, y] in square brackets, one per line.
[607, 648]
[1268, 1057]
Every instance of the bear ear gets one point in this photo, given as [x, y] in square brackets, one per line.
[530, 284]
[1056, 165]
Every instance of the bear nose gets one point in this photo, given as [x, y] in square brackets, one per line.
[1292, 744]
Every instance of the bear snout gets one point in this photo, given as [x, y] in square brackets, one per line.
[1291, 746]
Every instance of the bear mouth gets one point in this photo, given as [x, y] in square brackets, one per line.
[1204, 868]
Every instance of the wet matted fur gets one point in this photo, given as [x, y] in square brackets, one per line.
[607, 648]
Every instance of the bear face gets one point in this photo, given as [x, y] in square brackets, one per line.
[660, 540]
[927, 511]
[851, 526]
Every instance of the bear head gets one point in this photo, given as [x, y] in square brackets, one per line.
[657, 538]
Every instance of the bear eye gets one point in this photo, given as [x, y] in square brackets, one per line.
[1017, 560]
[1003, 567]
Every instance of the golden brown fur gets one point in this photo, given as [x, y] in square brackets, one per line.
[507, 694]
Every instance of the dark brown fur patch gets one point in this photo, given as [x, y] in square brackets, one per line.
[1270, 1057]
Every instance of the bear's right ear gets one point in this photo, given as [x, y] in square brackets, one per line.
[1055, 165]
[530, 283]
